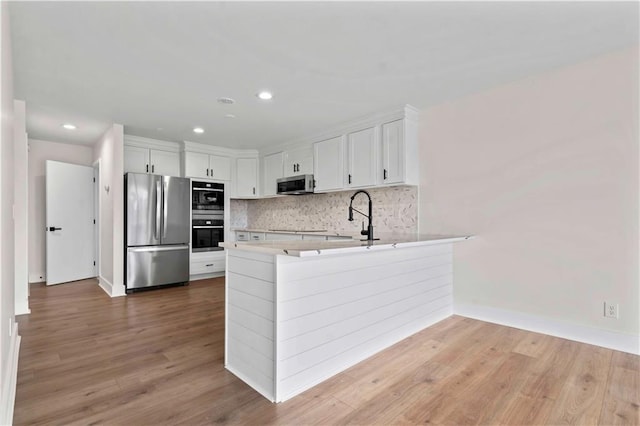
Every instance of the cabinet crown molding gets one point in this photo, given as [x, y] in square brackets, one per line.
[141, 142]
[407, 112]
[218, 150]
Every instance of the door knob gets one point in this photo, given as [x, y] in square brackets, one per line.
[53, 228]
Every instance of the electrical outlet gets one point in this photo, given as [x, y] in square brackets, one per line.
[611, 310]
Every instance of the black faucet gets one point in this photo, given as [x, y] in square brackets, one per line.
[369, 231]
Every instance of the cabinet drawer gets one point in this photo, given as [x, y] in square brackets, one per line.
[206, 266]
[256, 236]
[314, 237]
[242, 236]
[281, 237]
[338, 237]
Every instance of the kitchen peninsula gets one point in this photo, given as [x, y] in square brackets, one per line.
[299, 312]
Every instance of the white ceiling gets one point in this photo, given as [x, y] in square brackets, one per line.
[158, 67]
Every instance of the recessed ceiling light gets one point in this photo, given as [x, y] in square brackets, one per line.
[226, 101]
[230, 116]
[264, 95]
[198, 130]
[69, 126]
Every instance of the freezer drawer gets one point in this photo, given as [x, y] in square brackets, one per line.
[157, 265]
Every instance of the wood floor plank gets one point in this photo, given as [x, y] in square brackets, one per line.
[156, 358]
[581, 398]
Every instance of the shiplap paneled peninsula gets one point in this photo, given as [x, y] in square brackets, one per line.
[294, 322]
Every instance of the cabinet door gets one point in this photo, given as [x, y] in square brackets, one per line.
[164, 163]
[247, 177]
[328, 164]
[136, 159]
[362, 158]
[272, 166]
[298, 162]
[393, 152]
[196, 164]
[219, 167]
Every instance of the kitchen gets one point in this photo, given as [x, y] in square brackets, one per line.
[529, 203]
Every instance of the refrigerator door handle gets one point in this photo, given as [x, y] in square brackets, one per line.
[156, 248]
[165, 207]
[156, 231]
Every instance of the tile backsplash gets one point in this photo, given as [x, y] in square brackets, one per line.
[395, 209]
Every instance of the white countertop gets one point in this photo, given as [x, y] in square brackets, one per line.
[302, 248]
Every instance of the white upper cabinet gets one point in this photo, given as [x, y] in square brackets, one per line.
[298, 161]
[393, 152]
[272, 170]
[246, 177]
[136, 159]
[141, 155]
[362, 158]
[328, 164]
[164, 162]
[207, 166]
[399, 146]
[219, 167]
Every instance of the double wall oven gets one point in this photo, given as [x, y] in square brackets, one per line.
[207, 220]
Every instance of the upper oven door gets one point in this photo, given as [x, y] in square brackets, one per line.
[207, 196]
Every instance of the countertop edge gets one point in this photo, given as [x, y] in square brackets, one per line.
[335, 248]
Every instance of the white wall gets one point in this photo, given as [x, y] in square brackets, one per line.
[21, 214]
[8, 339]
[39, 152]
[109, 151]
[545, 172]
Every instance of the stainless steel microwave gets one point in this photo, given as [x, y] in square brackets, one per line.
[295, 185]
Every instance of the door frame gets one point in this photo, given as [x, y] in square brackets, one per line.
[97, 205]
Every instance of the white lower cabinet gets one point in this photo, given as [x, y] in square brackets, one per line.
[207, 262]
[269, 236]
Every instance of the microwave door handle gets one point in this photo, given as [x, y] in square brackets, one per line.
[207, 227]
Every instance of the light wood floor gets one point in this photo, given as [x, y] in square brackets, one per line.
[156, 358]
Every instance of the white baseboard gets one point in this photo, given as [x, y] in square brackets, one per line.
[8, 399]
[105, 284]
[110, 289]
[594, 336]
[22, 308]
[37, 277]
[118, 291]
[206, 276]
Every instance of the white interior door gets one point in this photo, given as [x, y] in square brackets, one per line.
[70, 227]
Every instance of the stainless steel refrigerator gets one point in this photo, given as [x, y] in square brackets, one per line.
[157, 230]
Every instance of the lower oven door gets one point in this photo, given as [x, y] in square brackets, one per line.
[206, 238]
